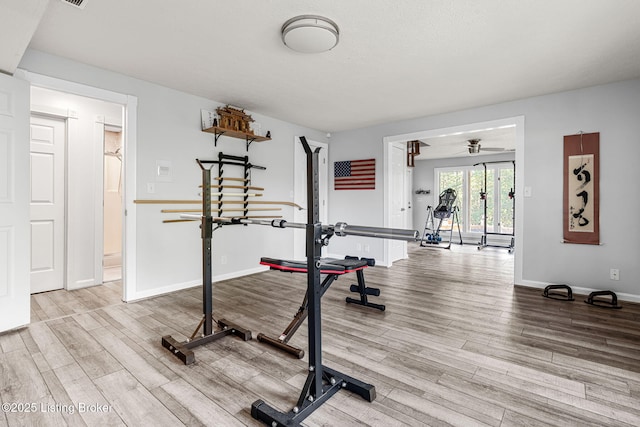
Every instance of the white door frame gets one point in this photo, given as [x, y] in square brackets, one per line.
[103, 124]
[518, 121]
[391, 258]
[99, 126]
[15, 281]
[129, 122]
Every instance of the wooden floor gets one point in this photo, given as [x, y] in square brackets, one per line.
[458, 345]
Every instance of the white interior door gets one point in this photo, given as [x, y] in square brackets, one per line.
[14, 203]
[47, 203]
[398, 202]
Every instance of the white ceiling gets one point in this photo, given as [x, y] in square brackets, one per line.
[395, 60]
[492, 141]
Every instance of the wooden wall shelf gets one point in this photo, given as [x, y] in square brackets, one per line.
[248, 137]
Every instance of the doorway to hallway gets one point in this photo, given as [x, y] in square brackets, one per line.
[85, 241]
[112, 206]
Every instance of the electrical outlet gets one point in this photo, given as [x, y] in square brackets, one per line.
[223, 259]
[151, 188]
[614, 274]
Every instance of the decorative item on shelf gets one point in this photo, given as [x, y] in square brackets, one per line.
[256, 129]
[208, 119]
[235, 119]
[233, 122]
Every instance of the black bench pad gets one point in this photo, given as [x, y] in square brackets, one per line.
[327, 265]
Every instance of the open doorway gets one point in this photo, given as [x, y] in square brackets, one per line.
[88, 234]
[112, 206]
[468, 142]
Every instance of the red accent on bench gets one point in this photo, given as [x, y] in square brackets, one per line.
[327, 266]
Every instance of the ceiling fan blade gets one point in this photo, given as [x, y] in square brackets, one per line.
[496, 149]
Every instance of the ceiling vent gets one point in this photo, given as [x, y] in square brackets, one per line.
[80, 4]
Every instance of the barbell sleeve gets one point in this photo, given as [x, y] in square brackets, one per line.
[344, 229]
[190, 216]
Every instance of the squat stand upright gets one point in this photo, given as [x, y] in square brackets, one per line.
[322, 382]
[182, 350]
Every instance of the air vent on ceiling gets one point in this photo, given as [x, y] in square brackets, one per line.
[80, 4]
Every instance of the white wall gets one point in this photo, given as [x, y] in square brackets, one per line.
[357, 207]
[612, 110]
[168, 128]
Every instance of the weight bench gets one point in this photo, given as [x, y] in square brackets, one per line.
[332, 269]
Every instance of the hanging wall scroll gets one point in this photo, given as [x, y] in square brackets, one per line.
[581, 208]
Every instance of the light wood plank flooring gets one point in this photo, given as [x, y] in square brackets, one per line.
[458, 345]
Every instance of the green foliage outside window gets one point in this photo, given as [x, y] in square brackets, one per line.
[454, 179]
[469, 183]
[506, 203]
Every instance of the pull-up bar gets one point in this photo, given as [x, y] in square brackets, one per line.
[224, 162]
[494, 162]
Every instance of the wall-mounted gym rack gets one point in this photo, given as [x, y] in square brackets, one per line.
[229, 160]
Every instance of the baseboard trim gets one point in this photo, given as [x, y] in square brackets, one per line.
[186, 285]
[112, 260]
[81, 284]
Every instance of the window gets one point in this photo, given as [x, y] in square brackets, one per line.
[506, 208]
[474, 189]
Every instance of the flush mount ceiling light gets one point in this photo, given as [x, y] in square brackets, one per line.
[310, 34]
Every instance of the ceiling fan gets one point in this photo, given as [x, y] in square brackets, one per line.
[474, 147]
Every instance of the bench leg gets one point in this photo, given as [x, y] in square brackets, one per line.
[282, 342]
[363, 291]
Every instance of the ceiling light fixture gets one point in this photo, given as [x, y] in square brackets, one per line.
[474, 146]
[310, 34]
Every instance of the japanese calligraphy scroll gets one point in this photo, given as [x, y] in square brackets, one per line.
[581, 208]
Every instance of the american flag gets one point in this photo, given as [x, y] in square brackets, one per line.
[355, 175]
